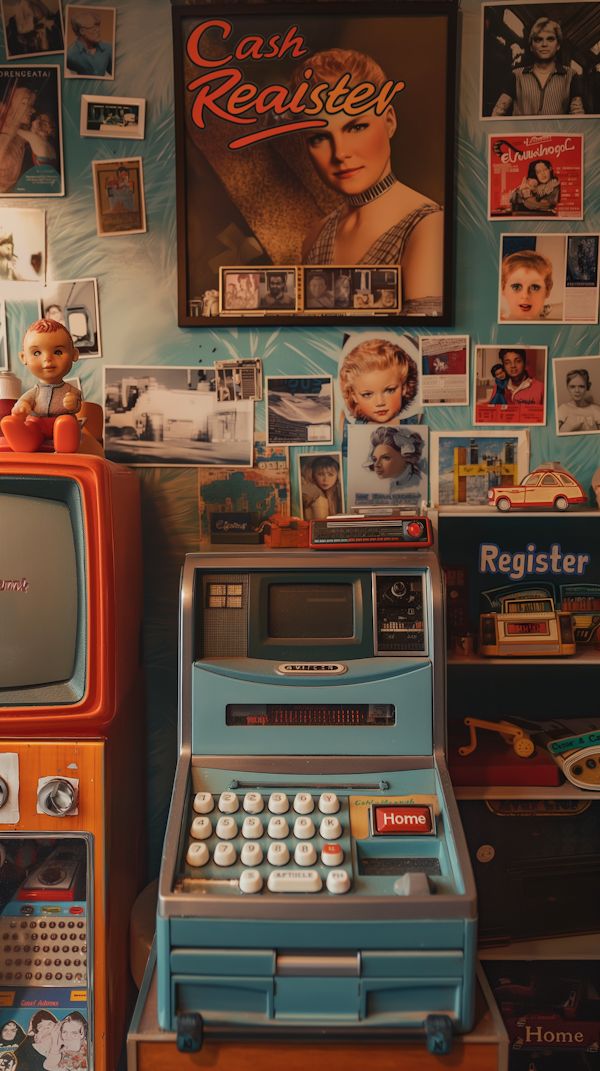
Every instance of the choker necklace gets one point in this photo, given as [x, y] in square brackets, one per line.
[357, 200]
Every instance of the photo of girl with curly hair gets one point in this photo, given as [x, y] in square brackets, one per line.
[379, 381]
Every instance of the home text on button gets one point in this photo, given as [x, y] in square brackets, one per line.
[401, 820]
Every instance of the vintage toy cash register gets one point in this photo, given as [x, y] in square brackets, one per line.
[315, 876]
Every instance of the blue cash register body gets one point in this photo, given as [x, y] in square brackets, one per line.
[315, 875]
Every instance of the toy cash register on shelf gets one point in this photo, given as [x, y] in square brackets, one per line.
[315, 877]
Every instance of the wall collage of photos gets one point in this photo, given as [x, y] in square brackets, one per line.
[282, 416]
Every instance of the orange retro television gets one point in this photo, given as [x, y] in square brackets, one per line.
[70, 583]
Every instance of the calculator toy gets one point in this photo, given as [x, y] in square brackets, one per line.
[315, 877]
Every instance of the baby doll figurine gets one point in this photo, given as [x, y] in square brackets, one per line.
[46, 411]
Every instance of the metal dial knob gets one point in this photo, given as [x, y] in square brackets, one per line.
[3, 792]
[57, 797]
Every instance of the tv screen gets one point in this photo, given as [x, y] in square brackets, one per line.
[310, 611]
[39, 592]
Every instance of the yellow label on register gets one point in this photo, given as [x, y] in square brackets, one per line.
[78, 995]
[7, 998]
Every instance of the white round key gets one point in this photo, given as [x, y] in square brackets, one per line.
[253, 803]
[201, 828]
[278, 854]
[329, 803]
[278, 828]
[228, 803]
[197, 854]
[251, 853]
[224, 854]
[303, 803]
[203, 802]
[330, 828]
[250, 881]
[338, 881]
[332, 855]
[227, 828]
[252, 828]
[305, 854]
[304, 828]
[278, 803]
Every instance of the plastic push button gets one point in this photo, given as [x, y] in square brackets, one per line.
[401, 820]
[294, 881]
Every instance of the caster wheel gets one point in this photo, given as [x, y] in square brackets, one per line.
[438, 1031]
[190, 1032]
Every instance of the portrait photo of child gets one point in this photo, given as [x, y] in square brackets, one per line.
[379, 379]
[321, 485]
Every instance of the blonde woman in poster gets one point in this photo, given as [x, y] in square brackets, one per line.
[381, 220]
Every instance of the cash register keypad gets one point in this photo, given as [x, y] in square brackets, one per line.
[286, 843]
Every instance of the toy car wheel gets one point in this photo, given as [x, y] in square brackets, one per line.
[503, 504]
[561, 503]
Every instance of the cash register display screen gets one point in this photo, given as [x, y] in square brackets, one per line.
[293, 715]
[310, 611]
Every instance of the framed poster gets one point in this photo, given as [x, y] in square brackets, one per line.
[317, 146]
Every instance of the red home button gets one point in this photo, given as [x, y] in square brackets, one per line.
[399, 820]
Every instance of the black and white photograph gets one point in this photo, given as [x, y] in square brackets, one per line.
[444, 369]
[31, 155]
[321, 483]
[32, 27]
[3, 341]
[379, 377]
[277, 290]
[239, 380]
[238, 290]
[112, 117]
[540, 59]
[299, 410]
[550, 277]
[75, 304]
[577, 395]
[327, 288]
[376, 288]
[159, 415]
[387, 466]
[22, 245]
[90, 42]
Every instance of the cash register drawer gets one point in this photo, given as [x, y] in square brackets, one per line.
[393, 986]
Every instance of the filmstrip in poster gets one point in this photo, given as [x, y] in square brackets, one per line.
[323, 141]
[31, 156]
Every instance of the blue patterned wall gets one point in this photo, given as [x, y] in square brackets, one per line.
[137, 290]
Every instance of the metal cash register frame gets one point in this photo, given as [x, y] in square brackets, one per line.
[373, 962]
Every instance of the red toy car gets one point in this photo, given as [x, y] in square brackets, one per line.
[549, 486]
